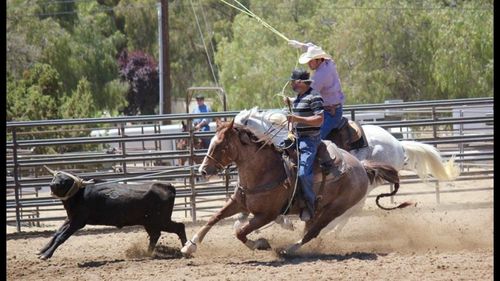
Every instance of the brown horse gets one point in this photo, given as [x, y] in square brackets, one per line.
[264, 190]
[183, 144]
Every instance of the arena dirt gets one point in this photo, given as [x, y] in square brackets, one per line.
[449, 241]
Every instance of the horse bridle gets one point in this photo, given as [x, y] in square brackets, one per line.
[217, 162]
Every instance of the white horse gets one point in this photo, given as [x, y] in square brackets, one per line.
[421, 158]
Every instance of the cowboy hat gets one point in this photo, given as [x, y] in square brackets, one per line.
[300, 74]
[313, 52]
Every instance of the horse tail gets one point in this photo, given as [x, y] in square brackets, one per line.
[381, 172]
[424, 159]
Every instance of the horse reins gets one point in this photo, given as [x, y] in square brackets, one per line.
[218, 163]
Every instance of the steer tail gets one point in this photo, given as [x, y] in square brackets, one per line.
[381, 172]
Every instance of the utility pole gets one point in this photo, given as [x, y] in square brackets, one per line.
[165, 106]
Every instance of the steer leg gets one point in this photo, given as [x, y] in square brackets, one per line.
[71, 228]
[154, 235]
[230, 208]
[177, 228]
[58, 232]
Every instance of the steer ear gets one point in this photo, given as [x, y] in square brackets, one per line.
[50, 170]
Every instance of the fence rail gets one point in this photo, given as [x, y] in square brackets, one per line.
[463, 128]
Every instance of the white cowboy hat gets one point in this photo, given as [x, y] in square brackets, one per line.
[313, 52]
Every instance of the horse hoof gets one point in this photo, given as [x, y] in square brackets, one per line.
[290, 250]
[262, 244]
[188, 249]
[43, 257]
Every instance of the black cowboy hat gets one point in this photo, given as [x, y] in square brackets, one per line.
[300, 74]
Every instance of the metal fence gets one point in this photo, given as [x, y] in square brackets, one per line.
[141, 149]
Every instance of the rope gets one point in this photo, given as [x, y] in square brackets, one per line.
[209, 31]
[204, 44]
[298, 159]
[139, 177]
[246, 11]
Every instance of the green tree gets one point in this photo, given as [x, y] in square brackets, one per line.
[463, 62]
[140, 24]
[383, 49]
[36, 97]
[81, 103]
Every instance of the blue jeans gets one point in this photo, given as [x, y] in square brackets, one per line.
[205, 140]
[330, 122]
[308, 147]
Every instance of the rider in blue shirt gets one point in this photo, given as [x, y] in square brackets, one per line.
[202, 124]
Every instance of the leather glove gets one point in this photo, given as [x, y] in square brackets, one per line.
[295, 44]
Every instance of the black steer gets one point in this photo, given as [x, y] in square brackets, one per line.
[113, 204]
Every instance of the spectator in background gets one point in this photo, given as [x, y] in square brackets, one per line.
[202, 124]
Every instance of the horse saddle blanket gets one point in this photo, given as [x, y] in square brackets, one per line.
[349, 135]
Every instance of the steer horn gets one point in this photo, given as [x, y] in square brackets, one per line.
[50, 170]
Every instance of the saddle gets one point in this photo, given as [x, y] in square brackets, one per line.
[349, 135]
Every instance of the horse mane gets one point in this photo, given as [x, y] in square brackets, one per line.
[268, 126]
[253, 138]
[242, 129]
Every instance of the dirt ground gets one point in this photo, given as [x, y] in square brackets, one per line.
[452, 240]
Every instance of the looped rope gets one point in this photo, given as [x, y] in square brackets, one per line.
[246, 11]
[77, 184]
[80, 183]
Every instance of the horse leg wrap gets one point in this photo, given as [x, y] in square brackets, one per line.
[189, 248]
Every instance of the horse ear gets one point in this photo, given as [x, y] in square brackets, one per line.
[231, 124]
[218, 123]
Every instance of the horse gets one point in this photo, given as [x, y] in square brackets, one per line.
[265, 190]
[382, 146]
[183, 144]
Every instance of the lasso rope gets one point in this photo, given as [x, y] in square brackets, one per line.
[144, 176]
[246, 11]
[249, 13]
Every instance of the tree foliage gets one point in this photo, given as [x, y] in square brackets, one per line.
[81, 103]
[396, 49]
[141, 71]
[36, 96]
